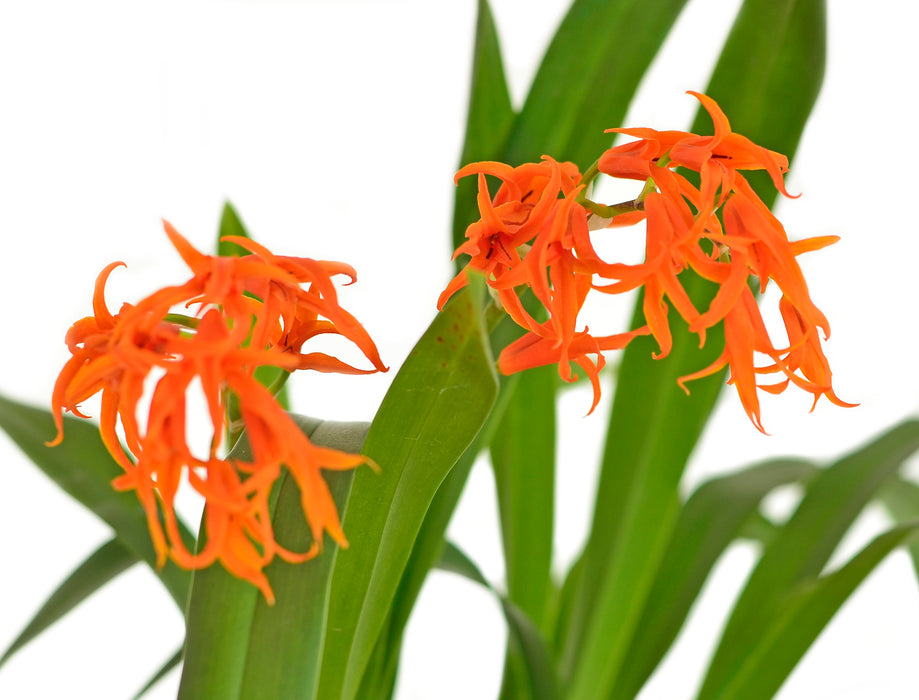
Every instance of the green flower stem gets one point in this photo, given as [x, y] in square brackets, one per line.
[609, 211]
[182, 320]
[278, 384]
[590, 174]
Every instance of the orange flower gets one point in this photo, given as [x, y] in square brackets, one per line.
[522, 207]
[535, 235]
[805, 355]
[745, 334]
[253, 311]
[716, 157]
[685, 231]
[665, 258]
[536, 349]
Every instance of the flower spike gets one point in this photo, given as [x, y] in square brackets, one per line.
[251, 311]
[535, 235]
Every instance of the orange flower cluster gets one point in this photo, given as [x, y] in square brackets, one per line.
[252, 311]
[535, 234]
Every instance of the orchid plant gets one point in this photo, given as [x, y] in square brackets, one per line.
[316, 536]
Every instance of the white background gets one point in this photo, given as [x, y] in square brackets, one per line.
[335, 128]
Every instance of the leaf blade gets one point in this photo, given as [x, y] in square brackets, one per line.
[170, 664]
[711, 519]
[523, 460]
[237, 646]
[83, 468]
[802, 547]
[802, 617]
[231, 225]
[447, 380]
[286, 642]
[654, 427]
[489, 117]
[524, 633]
[430, 542]
[103, 565]
[587, 78]
[901, 499]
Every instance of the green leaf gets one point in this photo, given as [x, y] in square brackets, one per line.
[564, 604]
[654, 426]
[430, 543]
[488, 121]
[173, 661]
[801, 617]
[231, 225]
[758, 528]
[489, 118]
[524, 633]
[111, 559]
[82, 466]
[712, 518]
[802, 547]
[437, 404]
[220, 613]
[901, 499]
[237, 646]
[291, 668]
[583, 86]
[588, 77]
[523, 458]
[652, 431]
[769, 75]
